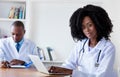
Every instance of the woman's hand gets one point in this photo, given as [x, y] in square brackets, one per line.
[55, 69]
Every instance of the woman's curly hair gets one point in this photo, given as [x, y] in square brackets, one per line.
[99, 17]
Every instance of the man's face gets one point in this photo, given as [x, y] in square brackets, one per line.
[17, 33]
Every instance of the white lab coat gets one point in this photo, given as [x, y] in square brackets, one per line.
[84, 63]
[8, 50]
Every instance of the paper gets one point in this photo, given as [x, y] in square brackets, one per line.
[18, 66]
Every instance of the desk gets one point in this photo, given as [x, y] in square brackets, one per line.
[19, 72]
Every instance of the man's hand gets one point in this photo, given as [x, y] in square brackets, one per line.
[17, 62]
[5, 64]
[54, 69]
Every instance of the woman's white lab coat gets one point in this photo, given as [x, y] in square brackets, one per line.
[85, 62]
[8, 50]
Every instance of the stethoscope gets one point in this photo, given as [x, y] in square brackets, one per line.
[80, 57]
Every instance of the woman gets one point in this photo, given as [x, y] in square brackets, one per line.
[94, 53]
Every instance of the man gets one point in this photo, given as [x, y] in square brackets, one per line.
[15, 50]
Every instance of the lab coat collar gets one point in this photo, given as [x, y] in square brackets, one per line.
[14, 43]
[98, 47]
[16, 54]
[21, 42]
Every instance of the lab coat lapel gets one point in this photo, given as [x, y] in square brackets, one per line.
[13, 52]
[98, 47]
[100, 44]
[86, 46]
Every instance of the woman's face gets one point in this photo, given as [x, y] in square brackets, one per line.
[88, 28]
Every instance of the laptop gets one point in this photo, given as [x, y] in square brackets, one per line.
[40, 66]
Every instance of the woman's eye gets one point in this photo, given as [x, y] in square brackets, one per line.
[89, 25]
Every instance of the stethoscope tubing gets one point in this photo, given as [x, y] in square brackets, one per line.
[81, 53]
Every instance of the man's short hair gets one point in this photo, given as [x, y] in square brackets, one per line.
[18, 24]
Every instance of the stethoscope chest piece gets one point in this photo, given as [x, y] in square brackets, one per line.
[96, 64]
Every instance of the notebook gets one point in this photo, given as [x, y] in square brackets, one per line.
[40, 66]
[18, 66]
